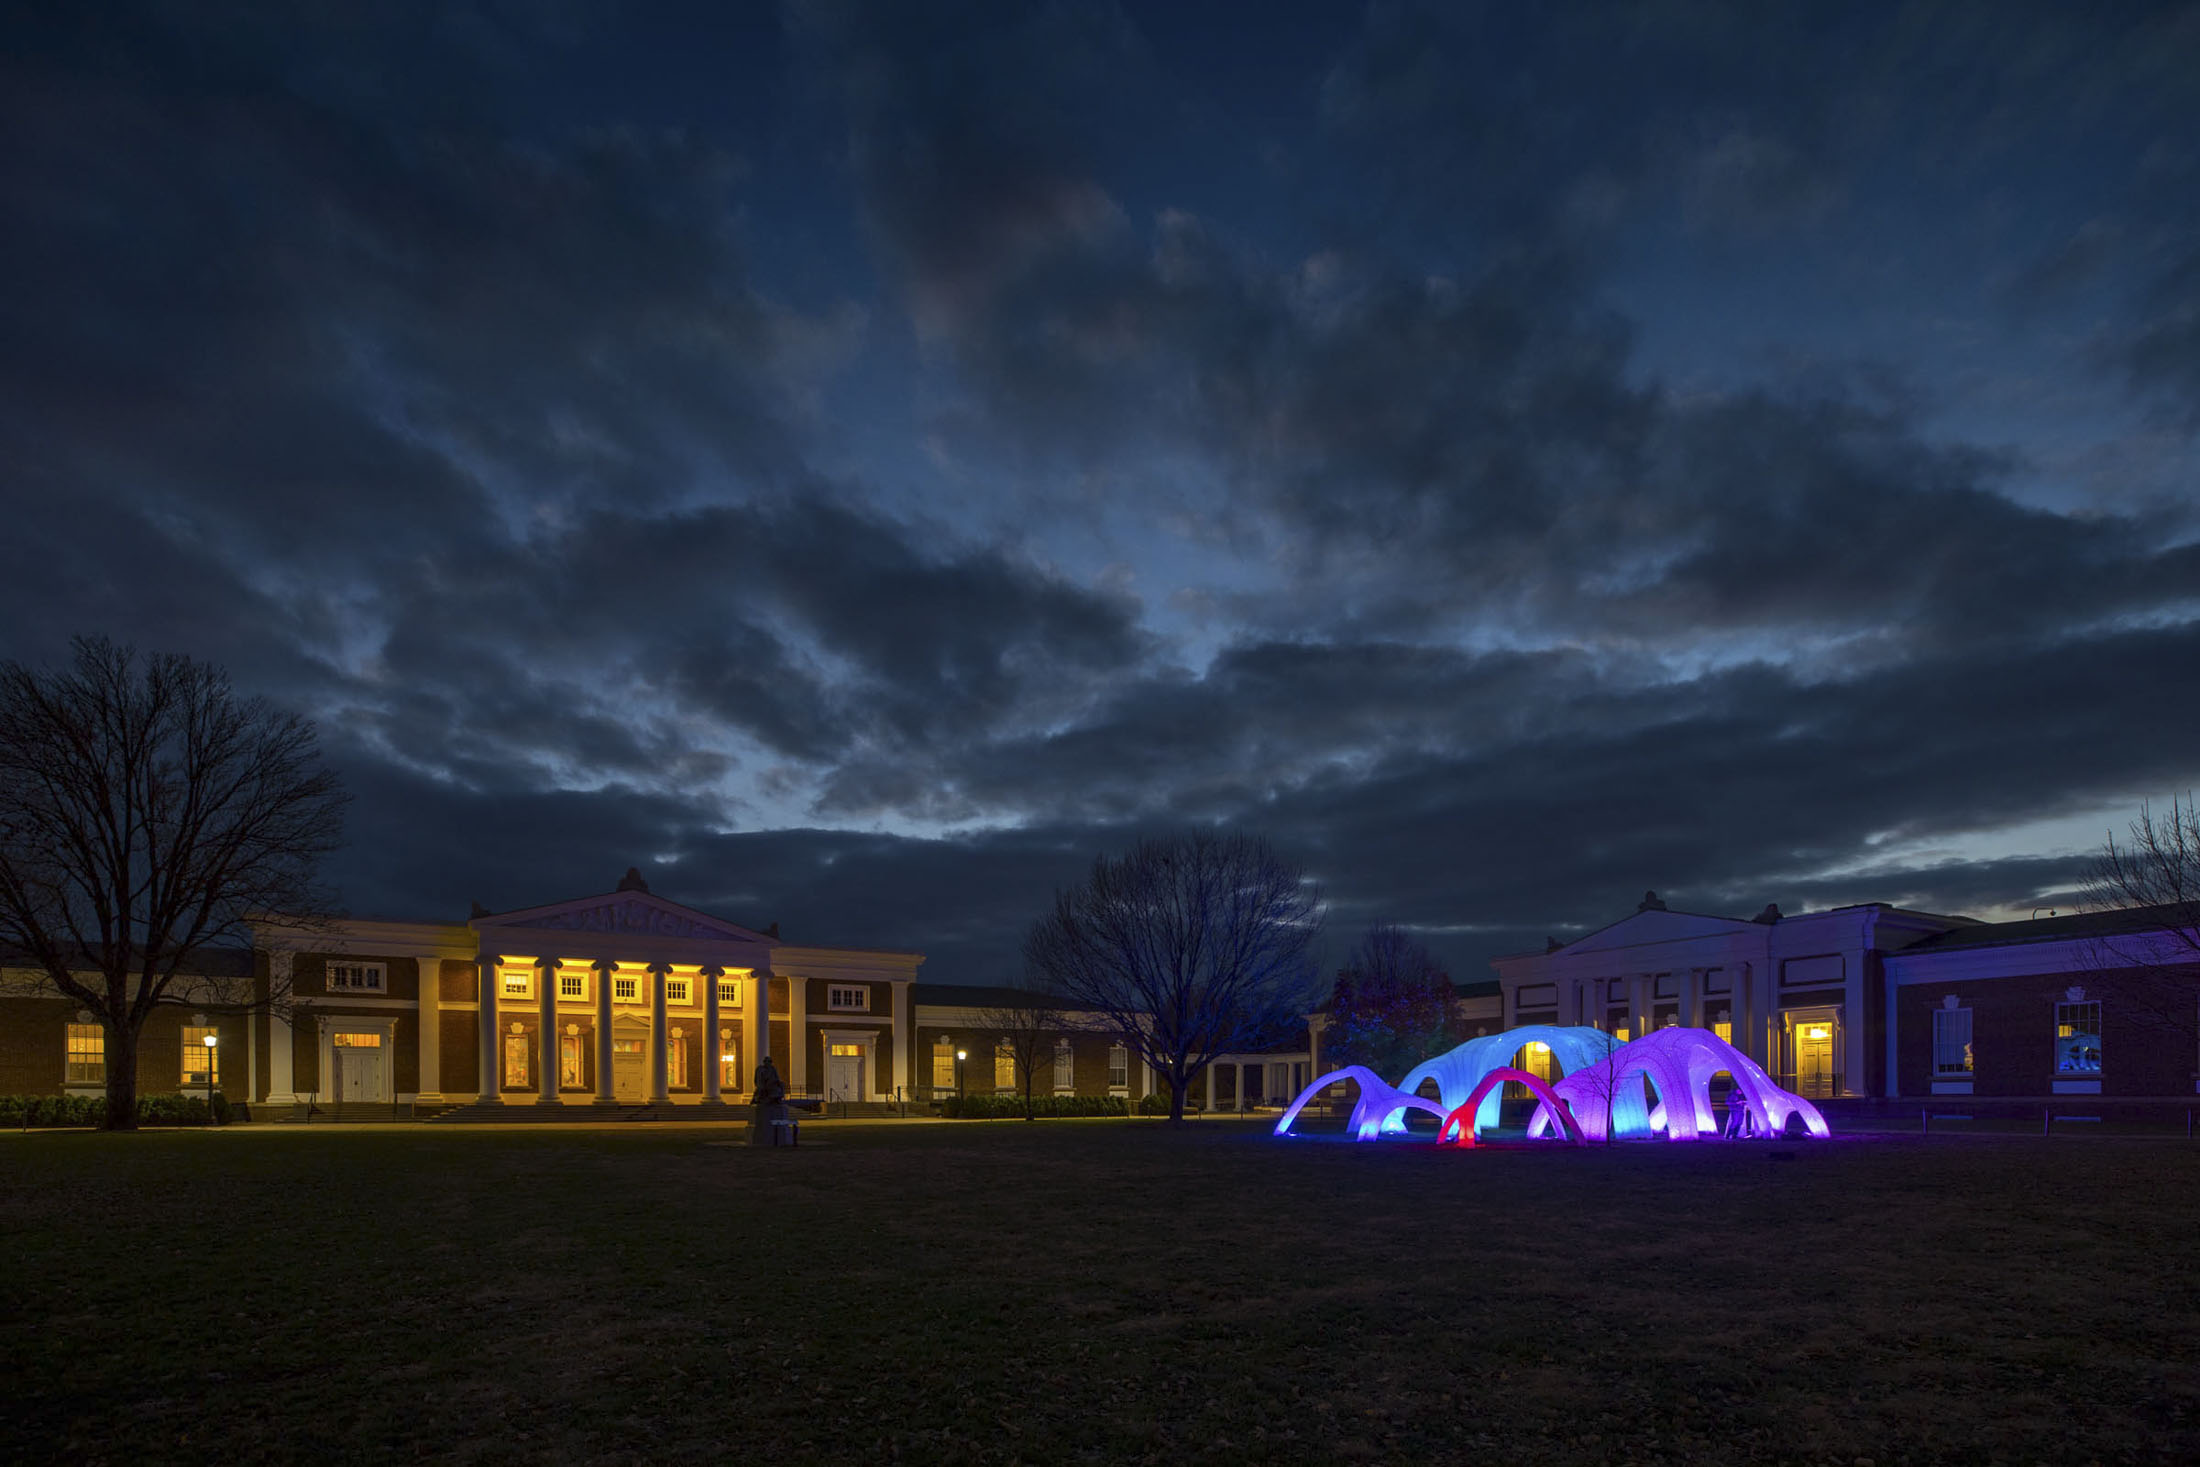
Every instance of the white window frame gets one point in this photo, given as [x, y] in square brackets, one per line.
[847, 998]
[1065, 1067]
[515, 983]
[358, 977]
[69, 1062]
[729, 993]
[2076, 1008]
[1950, 1034]
[626, 987]
[679, 990]
[196, 1047]
[1119, 1063]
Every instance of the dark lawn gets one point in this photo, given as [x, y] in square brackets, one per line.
[1092, 1291]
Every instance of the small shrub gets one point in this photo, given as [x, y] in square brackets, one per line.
[1045, 1107]
[25, 1111]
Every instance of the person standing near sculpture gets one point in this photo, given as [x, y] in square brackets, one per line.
[768, 1104]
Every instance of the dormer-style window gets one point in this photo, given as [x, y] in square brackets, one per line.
[358, 977]
[848, 999]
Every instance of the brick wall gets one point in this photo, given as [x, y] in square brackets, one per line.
[2148, 1032]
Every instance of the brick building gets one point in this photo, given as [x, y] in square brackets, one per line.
[1875, 1000]
[603, 1001]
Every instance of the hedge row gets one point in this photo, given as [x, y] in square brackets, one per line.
[996, 1107]
[23, 1111]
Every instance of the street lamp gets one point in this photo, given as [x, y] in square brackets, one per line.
[960, 1056]
[211, 1041]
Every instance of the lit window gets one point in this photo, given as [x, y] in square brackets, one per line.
[2078, 1038]
[676, 1059]
[1119, 1068]
[729, 1061]
[1621, 1034]
[1724, 1027]
[677, 990]
[517, 1053]
[848, 1000]
[943, 1064]
[845, 1051]
[729, 993]
[569, 1062]
[87, 1055]
[357, 977]
[348, 1040]
[572, 983]
[519, 982]
[199, 1057]
[1065, 1066]
[626, 988]
[1951, 1041]
[1004, 1067]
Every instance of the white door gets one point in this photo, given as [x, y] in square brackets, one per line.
[361, 1075]
[844, 1072]
[630, 1069]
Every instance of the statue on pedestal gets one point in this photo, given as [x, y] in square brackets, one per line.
[768, 1104]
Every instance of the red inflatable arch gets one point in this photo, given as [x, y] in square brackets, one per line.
[1462, 1115]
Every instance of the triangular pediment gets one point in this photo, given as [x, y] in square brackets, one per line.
[1653, 926]
[622, 914]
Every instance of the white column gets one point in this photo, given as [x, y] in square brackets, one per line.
[604, 969]
[754, 1019]
[658, 1093]
[1692, 1000]
[1239, 1067]
[430, 1042]
[546, 1043]
[711, 975]
[1743, 1030]
[281, 1073]
[798, 1035]
[904, 1075]
[485, 992]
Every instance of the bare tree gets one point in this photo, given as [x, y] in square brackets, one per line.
[147, 813]
[1392, 1006]
[2143, 896]
[1027, 1028]
[1188, 947]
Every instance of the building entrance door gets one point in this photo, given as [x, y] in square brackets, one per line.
[630, 1069]
[1814, 1058]
[362, 1067]
[844, 1072]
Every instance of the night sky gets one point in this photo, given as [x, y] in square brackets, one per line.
[857, 464]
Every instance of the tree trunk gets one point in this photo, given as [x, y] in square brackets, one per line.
[1176, 1101]
[1027, 1095]
[122, 1079]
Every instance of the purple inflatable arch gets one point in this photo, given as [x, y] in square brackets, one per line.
[1679, 1064]
[1381, 1108]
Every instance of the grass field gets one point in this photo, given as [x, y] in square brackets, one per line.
[1092, 1291]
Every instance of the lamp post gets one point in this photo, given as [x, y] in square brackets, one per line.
[211, 1041]
[960, 1056]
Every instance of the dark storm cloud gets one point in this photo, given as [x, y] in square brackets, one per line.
[1421, 447]
[604, 496]
[819, 630]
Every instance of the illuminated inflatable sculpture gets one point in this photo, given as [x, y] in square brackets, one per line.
[1605, 1092]
[1381, 1109]
[1459, 1071]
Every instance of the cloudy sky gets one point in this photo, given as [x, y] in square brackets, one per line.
[858, 463]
